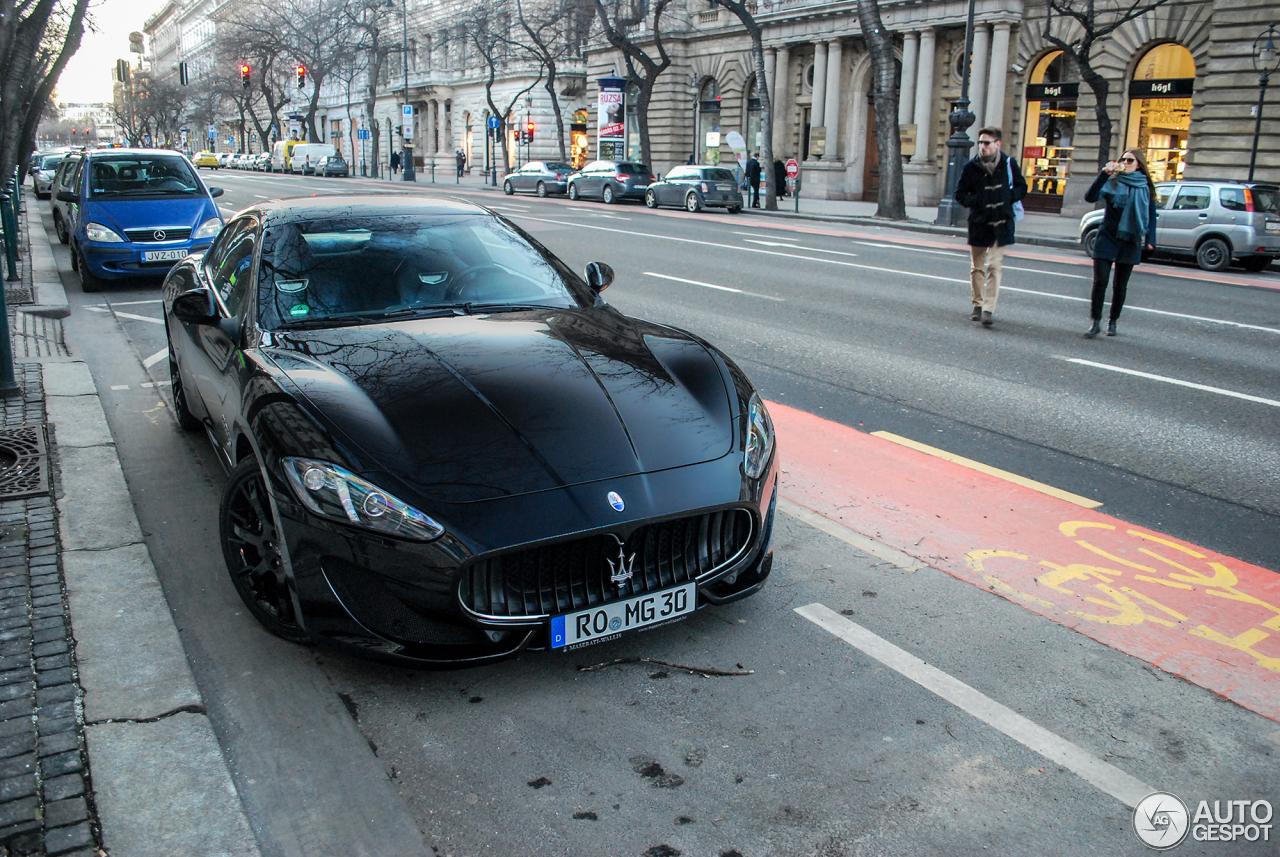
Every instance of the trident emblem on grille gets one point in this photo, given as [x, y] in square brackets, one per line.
[621, 572]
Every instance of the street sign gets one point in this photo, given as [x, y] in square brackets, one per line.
[212, 133]
[793, 168]
[362, 134]
[231, 141]
[494, 122]
[406, 111]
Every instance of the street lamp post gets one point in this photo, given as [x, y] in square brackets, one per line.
[951, 212]
[407, 174]
[1265, 61]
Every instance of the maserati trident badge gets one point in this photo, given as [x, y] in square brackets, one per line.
[615, 500]
[621, 573]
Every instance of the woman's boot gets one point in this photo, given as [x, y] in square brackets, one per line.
[1094, 329]
[1111, 327]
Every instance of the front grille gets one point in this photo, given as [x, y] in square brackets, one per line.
[575, 575]
[148, 236]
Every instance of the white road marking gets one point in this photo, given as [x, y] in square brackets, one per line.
[866, 544]
[773, 243]
[119, 386]
[1047, 273]
[1108, 778]
[912, 249]
[150, 384]
[155, 358]
[133, 303]
[260, 196]
[738, 249]
[610, 216]
[139, 317]
[1132, 308]
[712, 286]
[1164, 379]
[97, 309]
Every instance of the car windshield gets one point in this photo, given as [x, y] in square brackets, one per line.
[352, 270]
[1266, 198]
[141, 175]
[51, 162]
[717, 175]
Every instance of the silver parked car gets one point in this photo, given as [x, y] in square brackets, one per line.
[696, 187]
[1212, 222]
[43, 168]
[540, 177]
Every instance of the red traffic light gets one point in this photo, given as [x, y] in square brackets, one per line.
[244, 75]
[302, 76]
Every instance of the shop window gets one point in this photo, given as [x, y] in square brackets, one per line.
[709, 121]
[1160, 109]
[1048, 133]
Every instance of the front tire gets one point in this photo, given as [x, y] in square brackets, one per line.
[692, 204]
[573, 192]
[650, 199]
[89, 282]
[507, 188]
[1213, 255]
[251, 546]
[607, 195]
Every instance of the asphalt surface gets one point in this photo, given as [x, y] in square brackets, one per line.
[821, 749]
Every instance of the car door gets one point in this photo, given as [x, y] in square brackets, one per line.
[1185, 218]
[529, 175]
[668, 191]
[227, 271]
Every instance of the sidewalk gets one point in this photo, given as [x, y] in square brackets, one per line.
[104, 741]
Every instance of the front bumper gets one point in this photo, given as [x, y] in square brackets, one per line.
[116, 260]
[399, 601]
[42, 185]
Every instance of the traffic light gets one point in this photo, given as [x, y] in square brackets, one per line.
[184, 76]
[529, 133]
[244, 75]
[302, 76]
[122, 71]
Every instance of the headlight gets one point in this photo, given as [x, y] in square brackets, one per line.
[336, 493]
[98, 232]
[759, 438]
[209, 229]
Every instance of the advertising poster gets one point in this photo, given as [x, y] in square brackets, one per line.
[611, 116]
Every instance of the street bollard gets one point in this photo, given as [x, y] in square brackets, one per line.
[10, 236]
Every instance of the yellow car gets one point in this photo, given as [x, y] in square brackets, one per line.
[206, 159]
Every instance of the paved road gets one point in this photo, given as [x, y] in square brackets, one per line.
[824, 748]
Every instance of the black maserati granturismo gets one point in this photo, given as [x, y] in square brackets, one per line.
[445, 447]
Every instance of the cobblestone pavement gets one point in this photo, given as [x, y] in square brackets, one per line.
[45, 794]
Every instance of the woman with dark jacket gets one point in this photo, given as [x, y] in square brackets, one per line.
[1129, 224]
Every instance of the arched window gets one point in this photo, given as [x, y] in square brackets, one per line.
[1048, 134]
[1160, 109]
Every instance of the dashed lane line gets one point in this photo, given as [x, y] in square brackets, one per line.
[1122, 786]
[1164, 379]
[712, 286]
[989, 470]
[1132, 308]
[155, 358]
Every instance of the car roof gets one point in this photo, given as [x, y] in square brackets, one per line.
[362, 205]
[150, 153]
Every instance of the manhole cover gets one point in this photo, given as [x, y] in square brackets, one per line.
[24, 463]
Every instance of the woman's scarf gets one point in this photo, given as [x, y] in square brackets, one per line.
[1131, 193]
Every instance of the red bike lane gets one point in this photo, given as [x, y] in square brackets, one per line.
[1207, 617]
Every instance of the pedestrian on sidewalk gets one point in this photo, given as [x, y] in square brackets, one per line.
[395, 163]
[1129, 224]
[461, 160]
[990, 185]
[753, 178]
[780, 177]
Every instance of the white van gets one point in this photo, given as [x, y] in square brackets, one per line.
[307, 155]
[280, 153]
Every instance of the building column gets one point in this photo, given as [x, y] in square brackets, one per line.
[831, 111]
[999, 77]
[924, 98]
[782, 106]
[907, 95]
[442, 126]
[817, 107]
[978, 74]
[428, 129]
[770, 60]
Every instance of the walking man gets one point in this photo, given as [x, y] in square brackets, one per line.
[461, 160]
[753, 178]
[989, 186]
[395, 163]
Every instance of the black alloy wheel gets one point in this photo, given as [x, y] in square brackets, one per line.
[60, 226]
[88, 282]
[187, 421]
[692, 204]
[542, 189]
[573, 192]
[251, 546]
[607, 195]
[650, 199]
[507, 188]
[1213, 254]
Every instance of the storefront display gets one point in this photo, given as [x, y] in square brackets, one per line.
[1048, 134]
[1160, 109]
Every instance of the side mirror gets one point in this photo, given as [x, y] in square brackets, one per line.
[67, 196]
[196, 307]
[215, 192]
[599, 276]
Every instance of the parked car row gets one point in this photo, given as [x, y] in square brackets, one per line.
[1213, 223]
[692, 187]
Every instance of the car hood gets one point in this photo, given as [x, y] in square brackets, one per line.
[122, 214]
[472, 408]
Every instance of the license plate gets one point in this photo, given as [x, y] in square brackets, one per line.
[1273, 225]
[163, 255]
[610, 621]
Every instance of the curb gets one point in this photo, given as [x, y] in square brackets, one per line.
[160, 781]
[46, 283]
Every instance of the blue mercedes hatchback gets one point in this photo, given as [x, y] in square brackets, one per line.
[139, 212]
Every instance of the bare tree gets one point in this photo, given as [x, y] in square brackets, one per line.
[740, 9]
[372, 19]
[555, 34]
[891, 202]
[488, 30]
[1076, 27]
[619, 20]
[153, 108]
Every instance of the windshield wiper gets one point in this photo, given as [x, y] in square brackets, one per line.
[472, 308]
[360, 317]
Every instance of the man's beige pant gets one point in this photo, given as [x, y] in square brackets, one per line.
[984, 275]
